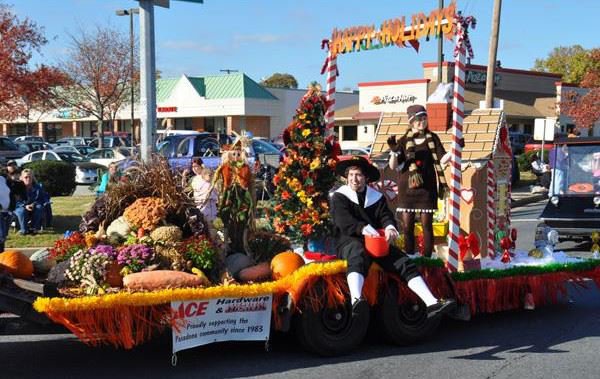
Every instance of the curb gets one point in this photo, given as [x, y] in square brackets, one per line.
[528, 200]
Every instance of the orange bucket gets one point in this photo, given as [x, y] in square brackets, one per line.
[377, 246]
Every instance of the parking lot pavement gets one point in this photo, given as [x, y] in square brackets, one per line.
[83, 190]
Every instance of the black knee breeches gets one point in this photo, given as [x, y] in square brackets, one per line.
[359, 260]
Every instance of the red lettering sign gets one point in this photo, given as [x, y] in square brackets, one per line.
[166, 109]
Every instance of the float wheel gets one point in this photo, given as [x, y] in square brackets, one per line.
[330, 331]
[406, 323]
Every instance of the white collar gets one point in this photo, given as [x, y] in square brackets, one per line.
[371, 197]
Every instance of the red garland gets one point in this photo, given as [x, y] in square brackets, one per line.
[495, 295]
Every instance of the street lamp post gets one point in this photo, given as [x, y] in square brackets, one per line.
[130, 12]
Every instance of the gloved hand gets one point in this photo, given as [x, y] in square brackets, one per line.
[393, 144]
[370, 231]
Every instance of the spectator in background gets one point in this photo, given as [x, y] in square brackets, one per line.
[30, 209]
[541, 170]
[109, 178]
[558, 159]
[573, 132]
[12, 170]
[4, 211]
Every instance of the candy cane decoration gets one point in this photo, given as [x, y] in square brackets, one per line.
[491, 211]
[458, 107]
[332, 72]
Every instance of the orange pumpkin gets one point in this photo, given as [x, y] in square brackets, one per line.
[17, 264]
[283, 264]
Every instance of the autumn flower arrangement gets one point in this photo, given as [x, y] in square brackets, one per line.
[88, 269]
[64, 248]
[145, 213]
[307, 173]
[134, 258]
[201, 251]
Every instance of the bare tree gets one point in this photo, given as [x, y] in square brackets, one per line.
[99, 74]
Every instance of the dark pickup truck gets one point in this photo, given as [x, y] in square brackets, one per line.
[180, 149]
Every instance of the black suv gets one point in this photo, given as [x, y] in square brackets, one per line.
[8, 150]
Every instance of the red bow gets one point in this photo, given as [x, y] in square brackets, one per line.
[471, 242]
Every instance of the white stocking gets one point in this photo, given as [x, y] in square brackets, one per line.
[355, 284]
[418, 286]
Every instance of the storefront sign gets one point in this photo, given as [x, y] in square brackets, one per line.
[393, 31]
[200, 322]
[478, 77]
[393, 99]
[166, 109]
[67, 113]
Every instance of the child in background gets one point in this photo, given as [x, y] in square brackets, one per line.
[205, 195]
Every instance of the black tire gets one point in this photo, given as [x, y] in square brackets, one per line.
[330, 331]
[404, 324]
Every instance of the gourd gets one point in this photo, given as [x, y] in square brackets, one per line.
[283, 264]
[17, 264]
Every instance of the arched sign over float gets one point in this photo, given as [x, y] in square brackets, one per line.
[401, 32]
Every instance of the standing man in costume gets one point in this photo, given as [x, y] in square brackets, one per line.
[418, 157]
[360, 210]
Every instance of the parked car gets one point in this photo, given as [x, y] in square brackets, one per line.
[536, 145]
[518, 141]
[85, 172]
[573, 209]
[106, 156]
[83, 150]
[30, 146]
[9, 150]
[71, 141]
[111, 142]
[29, 139]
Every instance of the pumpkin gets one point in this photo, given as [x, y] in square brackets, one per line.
[17, 264]
[283, 264]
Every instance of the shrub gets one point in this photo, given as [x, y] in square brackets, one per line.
[524, 160]
[58, 178]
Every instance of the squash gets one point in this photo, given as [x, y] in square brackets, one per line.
[17, 264]
[283, 264]
[162, 279]
[256, 273]
[42, 261]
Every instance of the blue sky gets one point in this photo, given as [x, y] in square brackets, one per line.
[260, 37]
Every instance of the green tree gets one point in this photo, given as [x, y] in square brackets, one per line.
[278, 80]
[572, 62]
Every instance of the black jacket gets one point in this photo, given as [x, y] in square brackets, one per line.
[349, 218]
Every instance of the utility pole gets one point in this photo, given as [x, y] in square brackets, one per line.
[491, 67]
[440, 47]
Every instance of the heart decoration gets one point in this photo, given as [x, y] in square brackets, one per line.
[467, 194]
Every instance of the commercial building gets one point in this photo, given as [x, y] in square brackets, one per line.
[525, 96]
[218, 103]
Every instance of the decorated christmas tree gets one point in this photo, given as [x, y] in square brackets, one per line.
[307, 173]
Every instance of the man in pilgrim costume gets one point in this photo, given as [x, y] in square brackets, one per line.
[360, 210]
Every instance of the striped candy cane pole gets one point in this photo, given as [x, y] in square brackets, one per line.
[331, 77]
[491, 211]
[456, 161]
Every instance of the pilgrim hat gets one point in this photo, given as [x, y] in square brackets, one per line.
[370, 171]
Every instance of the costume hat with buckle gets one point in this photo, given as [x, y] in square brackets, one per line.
[370, 171]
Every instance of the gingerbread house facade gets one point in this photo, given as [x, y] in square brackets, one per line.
[486, 173]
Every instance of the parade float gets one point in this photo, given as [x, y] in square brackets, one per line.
[145, 261]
